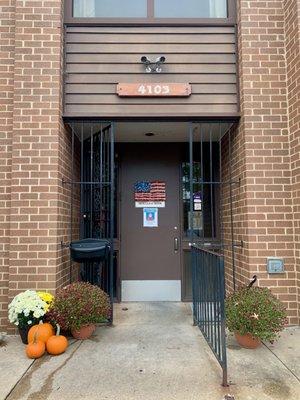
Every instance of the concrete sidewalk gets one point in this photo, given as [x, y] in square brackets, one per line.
[152, 353]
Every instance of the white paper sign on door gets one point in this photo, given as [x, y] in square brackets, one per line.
[150, 217]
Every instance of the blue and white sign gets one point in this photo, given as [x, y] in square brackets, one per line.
[150, 217]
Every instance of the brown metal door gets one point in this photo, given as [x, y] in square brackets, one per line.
[150, 257]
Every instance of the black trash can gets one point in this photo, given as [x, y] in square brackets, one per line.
[90, 250]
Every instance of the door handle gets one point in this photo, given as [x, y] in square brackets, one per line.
[176, 244]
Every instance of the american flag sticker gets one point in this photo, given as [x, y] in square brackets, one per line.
[150, 194]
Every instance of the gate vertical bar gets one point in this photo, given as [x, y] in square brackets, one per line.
[210, 188]
[191, 231]
[220, 186]
[82, 187]
[112, 213]
[101, 180]
[91, 179]
[72, 193]
[202, 180]
[211, 183]
[219, 317]
[191, 177]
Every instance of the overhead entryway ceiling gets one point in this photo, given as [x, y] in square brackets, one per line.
[140, 131]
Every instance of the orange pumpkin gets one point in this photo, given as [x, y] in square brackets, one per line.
[36, 348]
[57, 344]
[43, 332]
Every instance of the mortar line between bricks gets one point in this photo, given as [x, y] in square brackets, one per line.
[293, 373]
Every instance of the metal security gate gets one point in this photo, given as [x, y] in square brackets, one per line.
[207, 188]
[92, 195]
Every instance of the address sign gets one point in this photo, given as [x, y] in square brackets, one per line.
[154, 89]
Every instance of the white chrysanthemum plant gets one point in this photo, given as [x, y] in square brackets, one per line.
[27, 308]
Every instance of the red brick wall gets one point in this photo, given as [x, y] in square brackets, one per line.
[39, 143]
[35, 152]
[67, 171]
[292, 42]
[264, 134]
[7, 38]
[233, 170]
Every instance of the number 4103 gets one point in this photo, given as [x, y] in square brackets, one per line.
[154, 89]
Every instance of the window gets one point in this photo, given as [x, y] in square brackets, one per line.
[110, 8]
[190, 9]
[150, 9]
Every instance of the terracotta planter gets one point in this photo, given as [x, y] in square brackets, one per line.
[84, 332]
[247, 341]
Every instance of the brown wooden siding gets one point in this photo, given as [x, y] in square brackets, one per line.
[98, 58]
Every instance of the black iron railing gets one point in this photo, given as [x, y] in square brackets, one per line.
[209, 301]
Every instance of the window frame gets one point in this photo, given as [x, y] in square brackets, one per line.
[150, 20]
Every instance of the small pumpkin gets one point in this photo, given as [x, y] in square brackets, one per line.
[43, 332]
[36, 348]
[57, 344]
